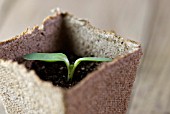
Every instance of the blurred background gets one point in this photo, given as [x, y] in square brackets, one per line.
[145, 21]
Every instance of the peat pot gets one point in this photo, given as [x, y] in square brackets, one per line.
[106, 90]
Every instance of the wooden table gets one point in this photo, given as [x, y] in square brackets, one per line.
[146, 21]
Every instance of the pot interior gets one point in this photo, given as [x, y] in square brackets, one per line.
[86, 40]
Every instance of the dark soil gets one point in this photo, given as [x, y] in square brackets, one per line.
[56, 72]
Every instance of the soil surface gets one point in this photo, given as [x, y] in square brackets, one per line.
[56, 72]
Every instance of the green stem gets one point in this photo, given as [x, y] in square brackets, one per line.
[70, 71]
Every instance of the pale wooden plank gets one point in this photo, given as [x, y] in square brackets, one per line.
[5, 8]
[152, 93]
[25, 13]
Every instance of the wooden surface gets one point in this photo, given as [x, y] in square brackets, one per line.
[146, 21]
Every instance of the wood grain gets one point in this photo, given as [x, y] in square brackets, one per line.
[147, 21]
[6, 7]
[24, 14]
[152, 93]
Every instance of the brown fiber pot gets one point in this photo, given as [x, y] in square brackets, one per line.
[104, 91]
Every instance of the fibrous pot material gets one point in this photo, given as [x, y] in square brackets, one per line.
[104, 91]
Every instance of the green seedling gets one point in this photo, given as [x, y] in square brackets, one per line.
[54, 57]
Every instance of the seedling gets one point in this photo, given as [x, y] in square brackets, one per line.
[54, 57]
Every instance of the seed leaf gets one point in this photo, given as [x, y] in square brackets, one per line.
[94, 59]
[49, 57]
